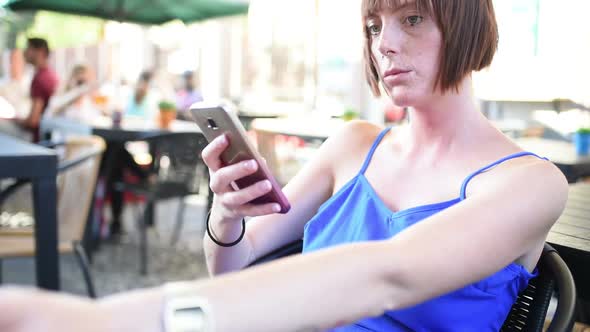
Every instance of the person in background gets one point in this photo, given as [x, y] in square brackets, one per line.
[43, 85]
[187, 95]
[14, 97]
[79, 76]
[81, 108]
[15, 89]
[122, 161]
[142, 104]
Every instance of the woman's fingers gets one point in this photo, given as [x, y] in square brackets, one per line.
[221, 179]
[211, 154]
[236, 198]
[254, 210]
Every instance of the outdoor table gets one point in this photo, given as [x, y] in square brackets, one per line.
[130, 129]
[246, 118]
[23, 160]
[561, 153]
[570, 235]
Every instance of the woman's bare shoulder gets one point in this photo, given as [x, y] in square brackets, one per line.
[344, 152]
[358, 131]
[544, 180]
[353, 139]
[534, 169]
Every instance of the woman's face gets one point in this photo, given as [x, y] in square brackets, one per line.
[405, 45]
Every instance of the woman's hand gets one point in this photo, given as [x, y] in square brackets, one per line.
[232, 205]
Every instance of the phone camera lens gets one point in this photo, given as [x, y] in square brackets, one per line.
[212, 124]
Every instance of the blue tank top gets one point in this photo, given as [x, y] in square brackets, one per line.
[355, 213]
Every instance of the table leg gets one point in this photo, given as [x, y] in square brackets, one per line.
[89, 239]
[150, 210]
[46, 253]
[107, 166]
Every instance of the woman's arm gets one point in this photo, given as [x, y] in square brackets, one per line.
[453, 248]
[306, 192]
[336, 286]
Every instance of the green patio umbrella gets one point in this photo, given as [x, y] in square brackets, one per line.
[138, 11]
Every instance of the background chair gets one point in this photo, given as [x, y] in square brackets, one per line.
[530, 309]
[76, 181]
[178, 171]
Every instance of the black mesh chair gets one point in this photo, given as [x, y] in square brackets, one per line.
[529, 312]
[530, 309]
[176, 163]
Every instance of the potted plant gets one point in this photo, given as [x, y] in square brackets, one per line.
[167, 113]
[349, 114]
[582, 141]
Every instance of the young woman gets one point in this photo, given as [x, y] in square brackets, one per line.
[434, 226]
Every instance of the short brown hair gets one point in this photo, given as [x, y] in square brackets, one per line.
[469, 37]
[39, 44]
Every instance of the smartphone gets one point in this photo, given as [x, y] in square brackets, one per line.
[215, 120]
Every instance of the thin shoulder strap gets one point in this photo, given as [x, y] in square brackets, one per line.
[373, 148]
[495, 163]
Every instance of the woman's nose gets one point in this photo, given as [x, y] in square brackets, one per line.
[389, 40]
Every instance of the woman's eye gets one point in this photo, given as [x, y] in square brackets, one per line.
[374, 29]
[414, 19]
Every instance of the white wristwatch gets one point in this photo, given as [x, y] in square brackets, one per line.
[185, 312]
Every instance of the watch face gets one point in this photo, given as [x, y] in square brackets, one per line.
[189, 320]
[186, 314]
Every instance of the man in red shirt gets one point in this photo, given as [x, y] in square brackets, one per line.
[43, 85]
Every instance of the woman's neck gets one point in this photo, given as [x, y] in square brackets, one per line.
[445, 124]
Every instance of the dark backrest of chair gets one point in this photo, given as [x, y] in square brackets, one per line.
[176, 155]
[287, 250]
[530, 310]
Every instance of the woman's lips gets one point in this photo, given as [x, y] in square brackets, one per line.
[394, 71]
[395, 75]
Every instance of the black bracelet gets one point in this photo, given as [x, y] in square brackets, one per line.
[221, 244]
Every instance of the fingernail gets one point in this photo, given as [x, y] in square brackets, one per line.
[266, 185]
[250, 164]
[222, 139]
[276, 208]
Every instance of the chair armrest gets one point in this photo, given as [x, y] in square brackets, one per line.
[4, 194]
[565, 315]
[50, 144]
[292, 248]
[63, 166]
